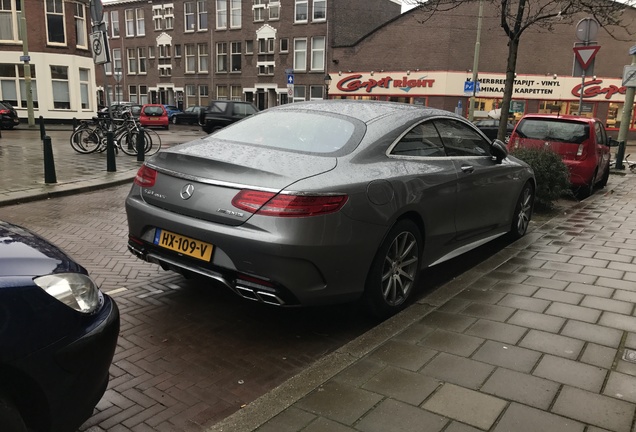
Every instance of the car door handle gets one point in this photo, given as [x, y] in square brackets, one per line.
[468, 169]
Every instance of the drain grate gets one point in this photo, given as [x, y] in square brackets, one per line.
[629, 355]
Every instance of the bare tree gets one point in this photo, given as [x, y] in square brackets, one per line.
[519, 15]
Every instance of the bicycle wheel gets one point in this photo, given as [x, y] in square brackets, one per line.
[153, 142]
[85, 141]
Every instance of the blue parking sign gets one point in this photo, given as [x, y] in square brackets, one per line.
[468, 86]
[290, 78]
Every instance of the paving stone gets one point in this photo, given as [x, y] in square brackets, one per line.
[414, 333]
[603, 272]
[492, 312]
[537, 321]
[454, 343]
[395, 416]
[521, 387]
[558, 295]
[290, 420]
[454, 305]
[621, 386]
[602, 411]
[552, 344]
[327, 400]
[622, 266]
[460, 427]
[622, 366]
[614, 257]
[526, 303]
[574, 312]
[466, 406]
[563, 268]
[322, 424]
[590, 262]
[622, 322]
[556, 257]
[501, 332]
[409, 387]
[508, 356]
[571, 373]
[512, 288]
[593, 333]
[404, 355]
[520, 418]
[458, 370]
[608, 304]
[589, 289]
[546, 283]
[630, 340]
[616, 283]
[480, 296]
[543, 272]
[577, 252]
[622, 295]
[359, 372]
[447, 321]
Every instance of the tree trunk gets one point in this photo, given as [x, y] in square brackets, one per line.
[513, 48]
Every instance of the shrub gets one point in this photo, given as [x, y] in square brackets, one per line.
[552, 175]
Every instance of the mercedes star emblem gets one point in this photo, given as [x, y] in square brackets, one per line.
[187, 191]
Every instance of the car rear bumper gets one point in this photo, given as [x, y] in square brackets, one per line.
[580, 171]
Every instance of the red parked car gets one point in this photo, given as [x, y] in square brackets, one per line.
[152, 115]
[581, 142]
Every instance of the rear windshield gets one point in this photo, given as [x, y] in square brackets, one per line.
[308, 132]
[554, 130]
[153, 111]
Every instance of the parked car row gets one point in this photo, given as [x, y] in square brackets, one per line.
[8, 116]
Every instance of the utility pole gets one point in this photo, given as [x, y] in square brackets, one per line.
[471, 108]
[627, 110]
[27, 68]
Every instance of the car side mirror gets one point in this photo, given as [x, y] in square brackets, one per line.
[611, 142]
[499, 150]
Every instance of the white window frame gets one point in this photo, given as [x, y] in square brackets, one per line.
[202, 15]
[221, 14]
[168, 16]
[84, 89]
[236, 53]
[249, 46]
[203, 57]
[190, 58]
[221, 57]
[274, 10]
[299, 17]
[298, 89]
[141, 58]
[189, 17]
[80, 26]
[258, 8]
[314, 11]
[286, 48]
[140, 19]
[143, 94]
[318, 53]
[132, 93]
[12, 16]
[300, 54]
[235, 14]
[114, 20]
[132, 61]
[58, 10]
[157, 16]
[60, 84]
[129, 18]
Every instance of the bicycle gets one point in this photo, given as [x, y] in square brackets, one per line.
[626, 163]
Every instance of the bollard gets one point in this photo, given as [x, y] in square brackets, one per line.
[49, 163]
[141, 145]
[620, 155]
[74, 123]
[42, 131]
[110, 152]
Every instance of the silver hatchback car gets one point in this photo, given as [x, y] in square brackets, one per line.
[328, 201]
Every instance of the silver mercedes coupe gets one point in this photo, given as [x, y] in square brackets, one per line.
[328, 201]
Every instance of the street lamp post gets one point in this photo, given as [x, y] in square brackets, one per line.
[327, 84]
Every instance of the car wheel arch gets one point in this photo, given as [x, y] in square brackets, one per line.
[26, 395]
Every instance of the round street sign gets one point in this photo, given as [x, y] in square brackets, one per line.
[587, 29]
[97, 11]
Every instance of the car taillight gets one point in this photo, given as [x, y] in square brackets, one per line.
[515, 142]
[4, 111]
[271, 204]
[580, 150]
[145, 177]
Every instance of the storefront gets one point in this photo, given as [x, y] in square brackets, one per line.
[602, 97]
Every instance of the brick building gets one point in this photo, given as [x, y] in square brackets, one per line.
[427, 61]
[187, 52]
[61, 63]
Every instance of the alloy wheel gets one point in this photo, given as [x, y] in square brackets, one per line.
[400, 269]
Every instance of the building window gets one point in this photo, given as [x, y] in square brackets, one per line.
[10, 79]
[141, 54]
[143, 94]
[106, 23]
[316, 92]
[129, 17]
[274, 10]
[177, 51]
[203, 95]
[188, 16]
[168, 16]
[284, 45]
[84, 75]
[259, 10]
[221, 92]
[132, 93]
[318, 53]
[59, 84]
[114, 20]
[320, 10]
[299, 93]
[235, 13]
[221, 57]
[157, 17]
[235, 58]
[55, 22]
[236, 93]
[249, 47]
[132, 60]
[202, 10]
[164, 51]
[151, 52]
[191, 60]
[203, 57]
[80, 26]
[266, 69]
[141, 23]
[10, 13]
[301, 11]
[266, 46]
[300, 54]
[191, 94]
[221, 14]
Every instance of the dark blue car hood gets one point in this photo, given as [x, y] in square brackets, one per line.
[23, 253]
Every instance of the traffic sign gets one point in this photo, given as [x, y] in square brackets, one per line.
[585, 54]
[99, 47]
[97, 11]
[629, 76]
[25, 58]
[469, 87]
[290, 79]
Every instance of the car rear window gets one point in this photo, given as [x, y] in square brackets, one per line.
[554, 130]
[305, 132]
[153, 111]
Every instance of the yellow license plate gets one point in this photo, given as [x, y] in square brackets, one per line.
[182, 244]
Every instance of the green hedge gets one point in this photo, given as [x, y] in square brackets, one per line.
[552, 175]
